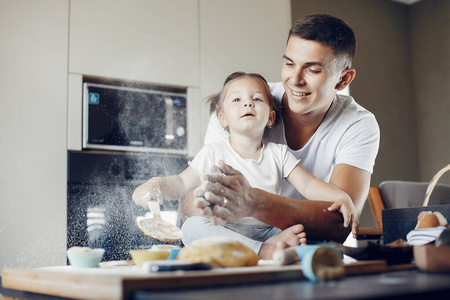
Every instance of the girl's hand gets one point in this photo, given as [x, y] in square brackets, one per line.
[205, 207]
[150, 190]
[348, 211]
[228, 195]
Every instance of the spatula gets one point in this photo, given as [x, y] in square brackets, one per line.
[157, 228]
[153, 205]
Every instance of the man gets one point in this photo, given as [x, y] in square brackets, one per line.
[336, 139]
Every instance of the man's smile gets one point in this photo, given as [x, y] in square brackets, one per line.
[301, 94]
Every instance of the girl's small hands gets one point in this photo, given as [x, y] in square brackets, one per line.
[224, 182]
[349, 214]
[150, 190]
[355, 226]
[207, 209]
[154, 191]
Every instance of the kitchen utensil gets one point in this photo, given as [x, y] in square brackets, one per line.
[293, 254]
[158, 228]
[323, 263]
[174, 265]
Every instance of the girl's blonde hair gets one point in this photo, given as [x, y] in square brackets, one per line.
[215, 101]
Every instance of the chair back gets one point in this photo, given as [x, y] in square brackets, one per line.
[402, 194]
[393, 194]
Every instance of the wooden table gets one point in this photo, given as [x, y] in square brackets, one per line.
[405, 284]
[364, 280]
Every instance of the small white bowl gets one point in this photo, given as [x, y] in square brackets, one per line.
[84, 257]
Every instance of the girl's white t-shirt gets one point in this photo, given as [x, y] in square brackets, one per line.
[266, 173]
[349, 134]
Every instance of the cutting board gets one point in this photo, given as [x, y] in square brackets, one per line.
[120, 282]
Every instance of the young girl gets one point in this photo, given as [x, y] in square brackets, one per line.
[245, 107]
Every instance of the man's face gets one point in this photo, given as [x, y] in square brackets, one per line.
[310, 74]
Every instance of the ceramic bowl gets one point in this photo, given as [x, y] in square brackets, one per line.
[139, 256]
[174, 250]
[83, 257]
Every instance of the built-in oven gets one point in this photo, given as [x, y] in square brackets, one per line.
[128, 117]
[130, 133]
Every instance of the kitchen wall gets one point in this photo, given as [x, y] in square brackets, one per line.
[402, 62]
[430, 57]
[33, 104]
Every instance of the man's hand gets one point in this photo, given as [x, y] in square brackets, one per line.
[228, 196]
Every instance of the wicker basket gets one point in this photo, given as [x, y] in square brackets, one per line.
[398, 222]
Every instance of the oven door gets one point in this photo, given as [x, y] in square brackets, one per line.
[132, 119]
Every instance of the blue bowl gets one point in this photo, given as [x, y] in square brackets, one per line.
[82, 257]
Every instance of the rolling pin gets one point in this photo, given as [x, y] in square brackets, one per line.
[319, 262]
[291, 255]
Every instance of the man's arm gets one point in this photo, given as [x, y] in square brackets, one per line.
[353, 181]
[282, 212]
[319, 223]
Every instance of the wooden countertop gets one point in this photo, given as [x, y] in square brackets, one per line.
[121, 282]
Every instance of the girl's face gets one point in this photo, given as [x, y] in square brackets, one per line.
[245, 107]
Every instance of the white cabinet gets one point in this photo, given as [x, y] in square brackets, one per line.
[152, 41]
[192, 43]
[33, 163]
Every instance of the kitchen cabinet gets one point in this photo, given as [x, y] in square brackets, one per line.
[185, 43]
[33, 163]
[152, 41]
[49, 45]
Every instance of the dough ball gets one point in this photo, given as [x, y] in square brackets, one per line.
[159, 229]
[219, 251]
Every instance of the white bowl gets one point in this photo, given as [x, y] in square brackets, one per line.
[83, 257]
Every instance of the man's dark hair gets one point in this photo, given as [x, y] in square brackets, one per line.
[329, 31]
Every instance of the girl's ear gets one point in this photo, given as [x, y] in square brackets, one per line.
[272, 117]
[222, 120]
[346, 78]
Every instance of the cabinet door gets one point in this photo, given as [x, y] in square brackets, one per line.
[142, 40]
[33, 164]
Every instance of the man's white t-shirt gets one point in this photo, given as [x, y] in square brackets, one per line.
[349, 134]
[267, 173]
